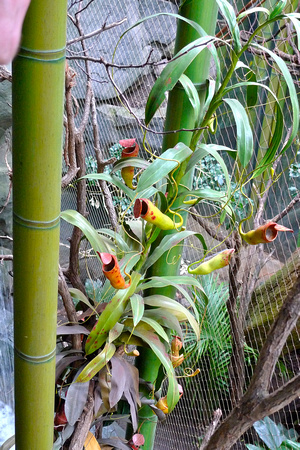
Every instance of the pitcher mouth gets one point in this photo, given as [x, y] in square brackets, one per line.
[107, 261]
[141, 208]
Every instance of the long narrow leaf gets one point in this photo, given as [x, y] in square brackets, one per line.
[115, 181]
[125, 162]
[157, 282]
[169, 241]
[171, 74]
[252, 11]
[97, 363]
[229, 15]
[174, 307]
[110, 316]
[192, 95]
[137, 307]
[294, 18]
[294, 102]
[159, 349]
[76, 219]
[167, 319]
[163, 165]
[244, 133]
[278, 130]
[120, 243]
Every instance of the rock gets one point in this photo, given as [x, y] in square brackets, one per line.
[116, 123]
[5, 106]
[6, 214]
[133, 49]
[7, 419]
[161, 29]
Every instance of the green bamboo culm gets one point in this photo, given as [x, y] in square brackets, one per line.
[38, 99]
[205, 14]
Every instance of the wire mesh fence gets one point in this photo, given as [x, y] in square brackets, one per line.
[120, 104]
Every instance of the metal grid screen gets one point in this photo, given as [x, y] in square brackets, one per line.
[154, 41]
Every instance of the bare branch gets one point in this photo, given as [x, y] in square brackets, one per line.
[211, 429]
[6, 257]
[95, 32]
[69, 306]
[287, 209]
[69, 153]
[211, 229]
[5, 74]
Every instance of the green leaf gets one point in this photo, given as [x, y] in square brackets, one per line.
[268, 431]
[120, 244]
[278, 130]
[252, 11]
[165, 318]
[162, 166]
[137, 307]
[182, 314]
[289, 445]
[280, 5]
[115, 332]
[159, 349]
[212, 149]
[168, 241]
[171, 74]
[203, 151]
[157, 328]
[78, 295]
[252, 89]
[97, 363]
[294, 19]
[76, 219]
[267, 159]
[110, 316]
[243, 130]
[192, 95]
[112, 180]
[125, 162]
[158, 282]
[298, 240]
[229, 15]
[210, 93]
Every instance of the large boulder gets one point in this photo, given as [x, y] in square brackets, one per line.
[133, 49]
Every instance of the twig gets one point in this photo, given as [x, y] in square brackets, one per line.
[5, 74]
[6, 257]
[6, 237]
[69, 307]
[287, 209]
[95, 32]
[211, 428]
[211, 229]
[69, 153]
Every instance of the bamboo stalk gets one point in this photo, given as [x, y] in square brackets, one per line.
[38, 97]
[205, 14]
